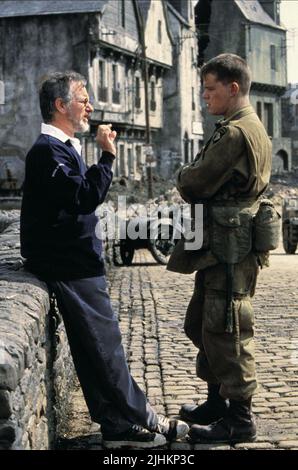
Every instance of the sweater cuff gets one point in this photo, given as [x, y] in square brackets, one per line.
[107, 158]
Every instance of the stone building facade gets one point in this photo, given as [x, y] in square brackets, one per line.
[182, 134]
[116, 73]
[290, 119]
[104, 40]
[253, 31]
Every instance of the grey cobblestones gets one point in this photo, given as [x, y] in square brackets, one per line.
[151, 303]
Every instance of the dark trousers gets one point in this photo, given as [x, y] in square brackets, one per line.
[113, 398]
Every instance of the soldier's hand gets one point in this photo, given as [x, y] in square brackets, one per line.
[106, 138]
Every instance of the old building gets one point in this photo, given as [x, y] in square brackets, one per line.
[182, 133]
[252, 30]
[103, 40]
[290, 120]
[109, 42]
[158, 53]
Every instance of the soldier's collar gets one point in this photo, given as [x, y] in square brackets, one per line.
[236, 115]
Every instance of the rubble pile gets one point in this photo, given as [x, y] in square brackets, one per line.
[164, 191]
[137, 191]
[282, 186]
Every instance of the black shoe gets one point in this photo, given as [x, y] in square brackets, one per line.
[238, 426]
[136, 437]
[172, 429]
[212, 410]
[222, 431]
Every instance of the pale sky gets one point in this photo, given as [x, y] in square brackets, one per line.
[289, 18]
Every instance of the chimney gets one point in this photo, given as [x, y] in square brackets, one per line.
[272, 8]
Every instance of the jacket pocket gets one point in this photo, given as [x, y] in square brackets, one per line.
[231, 234]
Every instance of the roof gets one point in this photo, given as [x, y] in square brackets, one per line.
[15, 8]
[177, 15]
[144, 6]
[292, 88]
[253, 11]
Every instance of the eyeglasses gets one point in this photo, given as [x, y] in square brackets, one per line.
[84, 102]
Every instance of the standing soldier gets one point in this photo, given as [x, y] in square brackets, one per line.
[227, 177]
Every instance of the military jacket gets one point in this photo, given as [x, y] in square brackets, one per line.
[233, 167]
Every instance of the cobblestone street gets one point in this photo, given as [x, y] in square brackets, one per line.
[151, 304]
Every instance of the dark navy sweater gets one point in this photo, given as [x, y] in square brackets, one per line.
[60, 196]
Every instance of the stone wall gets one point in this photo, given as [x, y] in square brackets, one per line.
[36, 369]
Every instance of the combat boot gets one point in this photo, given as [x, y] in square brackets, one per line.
[238, 426]
[211, 410]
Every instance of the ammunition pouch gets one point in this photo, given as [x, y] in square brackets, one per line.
[230, 232]
[230, 235]
[266, 227]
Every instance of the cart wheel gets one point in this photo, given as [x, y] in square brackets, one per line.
[126, 253]
[163, 245]
[289, 247]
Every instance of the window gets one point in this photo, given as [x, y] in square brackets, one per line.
[137, 93]
[130, 163]
[139, 156]
[102, 89]
[159, 36]
[192, 150]
[152, 96]
[193, 103]
[268, 118]
[259, 109]
[2, 93]
[186, 147]
[296, 115]
[273, 57]
[122, 13]
[122, 160]
[277, 19]
[101, 73]
[191, 9]
[115, 85]
[114, 76]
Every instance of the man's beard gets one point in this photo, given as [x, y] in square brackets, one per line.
[82, 126]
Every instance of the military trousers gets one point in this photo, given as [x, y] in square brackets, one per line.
[224, 358]
[113, 397]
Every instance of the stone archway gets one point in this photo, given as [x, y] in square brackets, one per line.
[282, 160]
